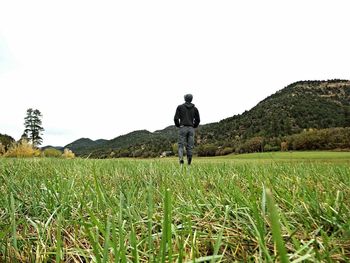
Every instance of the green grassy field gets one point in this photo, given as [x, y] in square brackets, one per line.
[313, 156]
[249, 208]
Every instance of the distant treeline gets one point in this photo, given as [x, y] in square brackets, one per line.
[311, 139]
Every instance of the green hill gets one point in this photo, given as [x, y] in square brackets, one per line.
[299, 106]
[85, 145]
[140, 143]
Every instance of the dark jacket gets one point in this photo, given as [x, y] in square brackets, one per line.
[186, 115]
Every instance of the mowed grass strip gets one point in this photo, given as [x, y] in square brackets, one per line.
[128, 210]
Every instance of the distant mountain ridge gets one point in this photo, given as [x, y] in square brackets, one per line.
[85, 144]
[301, 105]
[137, 139]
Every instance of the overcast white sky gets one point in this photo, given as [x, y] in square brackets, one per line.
[100, 69]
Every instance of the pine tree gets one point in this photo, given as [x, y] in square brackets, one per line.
[24, 137]
[33, 129]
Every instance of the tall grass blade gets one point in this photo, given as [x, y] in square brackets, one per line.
[133, 243]
[275, 225]
[166, 242]
[206, 259]
[59, 247]
[115, 243]
[218, 242]
[106, 245]
[122, 250]
[13, 222]
[94, 244]
[150, 221]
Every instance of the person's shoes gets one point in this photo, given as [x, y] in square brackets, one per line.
[189, 160]
[181, 162]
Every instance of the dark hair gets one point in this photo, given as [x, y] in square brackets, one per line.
[188, 97]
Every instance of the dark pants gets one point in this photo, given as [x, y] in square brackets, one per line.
[186, 139]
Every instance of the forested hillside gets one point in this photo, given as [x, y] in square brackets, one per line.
[135, 144]
[298, 107]
[301, 105]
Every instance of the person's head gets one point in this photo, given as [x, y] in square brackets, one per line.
[188, 97]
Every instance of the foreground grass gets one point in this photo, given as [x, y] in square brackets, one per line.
[298, 155]
[54, 210]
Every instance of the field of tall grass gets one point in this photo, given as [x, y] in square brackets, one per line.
[221, 210]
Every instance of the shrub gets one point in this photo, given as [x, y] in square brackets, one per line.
[284, 146]
[2, 149]
[224, 151]
[324, 139]
[270, 148]
[68, 154]
[22, 149]
[6, 141]
[253, 145]
[206, 150]
[175, 148]
[51, 152]
[137, 153]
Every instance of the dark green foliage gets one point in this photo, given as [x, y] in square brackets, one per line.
[207, 150]
[255, 144]
[33, 127]
[325, 139]
[6, 140]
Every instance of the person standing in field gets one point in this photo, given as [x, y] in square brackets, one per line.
[186, 119]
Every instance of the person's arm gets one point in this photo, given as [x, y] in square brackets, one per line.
[177, 117]
[197, 119]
